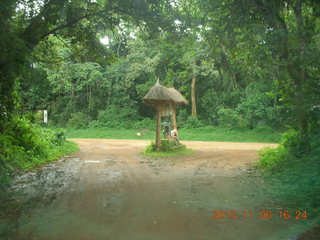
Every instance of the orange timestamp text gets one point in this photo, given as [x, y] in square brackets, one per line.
[264, 214]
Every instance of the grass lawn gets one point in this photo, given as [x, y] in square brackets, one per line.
[208, 133]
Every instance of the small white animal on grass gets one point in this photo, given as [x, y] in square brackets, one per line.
[138, 134]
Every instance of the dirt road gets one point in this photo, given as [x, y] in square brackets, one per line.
[109, 191]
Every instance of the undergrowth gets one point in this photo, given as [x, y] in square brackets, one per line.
[293, 171]
[167, 148]
[25, 145]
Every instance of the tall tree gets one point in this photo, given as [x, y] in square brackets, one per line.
[26, 23]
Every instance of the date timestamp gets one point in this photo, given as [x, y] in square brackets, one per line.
[264, 214]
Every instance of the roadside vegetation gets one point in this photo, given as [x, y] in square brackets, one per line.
[206, 133]
[293, 172]
[247, 68]
[25, 145]
[168, 148]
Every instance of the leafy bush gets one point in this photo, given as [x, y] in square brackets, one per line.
[182, 117]
[230, 118]
[290, 147]
[270, 158]
[117, 117]
[193, 122]
[165, 146]
[290, 170]
[145, 123]
[250, 108]
[292, 141]
[10, 158]
[25, 145]
[78, 120]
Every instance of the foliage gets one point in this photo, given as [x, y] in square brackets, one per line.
[230, 118]
[144, 124]
[271, 158]
[78, 120]
[182, 117]
[25, 145]
[50, 44]
[290, 149]
[115, 117]
[253, 109]
[167, 148]
[168, 154]
[192, 122]
[285, 165]
[256, 106]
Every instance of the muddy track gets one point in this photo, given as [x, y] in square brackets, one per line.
[109, 191]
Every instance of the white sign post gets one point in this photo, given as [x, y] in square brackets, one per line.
[45, 116]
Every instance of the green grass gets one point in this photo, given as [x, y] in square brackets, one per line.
[109, 133]
[293, 173]
[218, 134]
[54, 154]
[208, 133]
[295, 182]
[168, 148]
[168, 154]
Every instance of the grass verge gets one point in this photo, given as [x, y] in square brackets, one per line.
[296, 185]
[208, 133]
[168, 148]
[293, 172]
[54, 154]
[168, 154]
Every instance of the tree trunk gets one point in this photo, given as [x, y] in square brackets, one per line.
[174, 119]
[158, 131]
[193, 96]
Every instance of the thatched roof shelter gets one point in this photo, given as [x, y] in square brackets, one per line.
[166, 100]
[177, 97]
[159, 94]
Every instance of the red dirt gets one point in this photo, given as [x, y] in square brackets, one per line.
[113, 192]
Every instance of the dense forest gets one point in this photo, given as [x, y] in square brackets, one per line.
[240, 64]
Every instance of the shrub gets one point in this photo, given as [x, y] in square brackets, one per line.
[290, 170]
[292, 141]
[182, 117]
[78, 120]
[117, 117]
[193, 122]
[271, 158]
[230, 118]
[145, 123]
[24, 145]
[289, 148]
[165, 146]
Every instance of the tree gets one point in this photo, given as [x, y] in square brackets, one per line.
[26, 24]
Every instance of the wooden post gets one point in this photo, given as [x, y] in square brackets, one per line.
[174, 119]
[193, 96]
[158, 131]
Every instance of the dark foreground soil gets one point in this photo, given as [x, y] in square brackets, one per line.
[109, 191]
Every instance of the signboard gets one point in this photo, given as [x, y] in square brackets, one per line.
[42, 115]
[45, 116]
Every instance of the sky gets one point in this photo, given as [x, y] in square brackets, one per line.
[105, 40]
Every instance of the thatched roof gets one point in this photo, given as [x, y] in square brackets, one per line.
[177, 96]
[159, 94]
